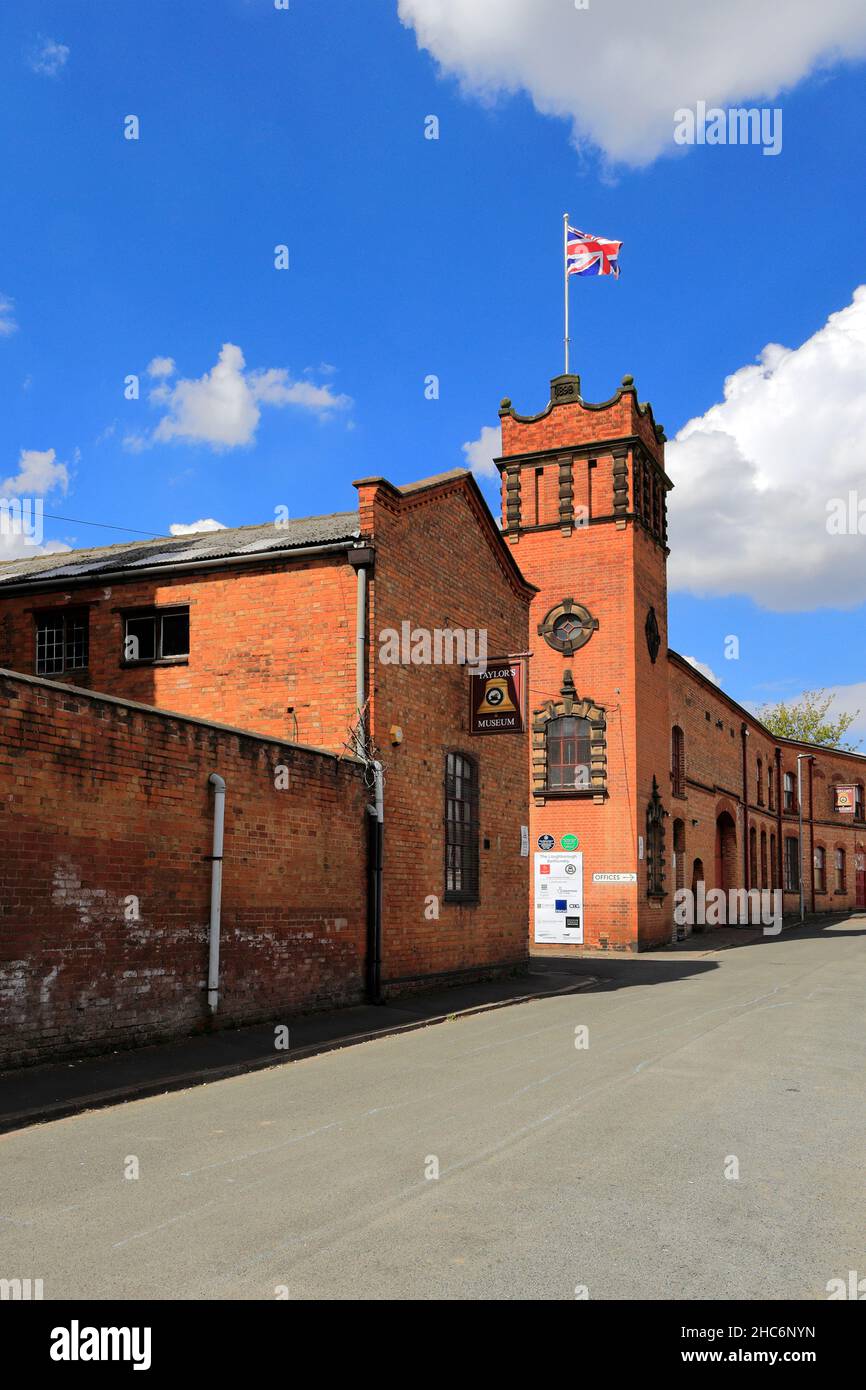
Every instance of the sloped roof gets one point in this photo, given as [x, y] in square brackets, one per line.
[178, 550]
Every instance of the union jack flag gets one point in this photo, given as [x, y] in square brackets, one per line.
[591, 255]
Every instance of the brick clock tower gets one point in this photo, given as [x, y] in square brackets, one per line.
[583, 504]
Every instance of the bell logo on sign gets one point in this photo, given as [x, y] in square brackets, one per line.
[496, 699]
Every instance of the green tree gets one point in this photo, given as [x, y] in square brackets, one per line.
[809, 721]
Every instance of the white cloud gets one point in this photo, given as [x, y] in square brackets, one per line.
[7, 317]
[48, 57]
[181, 528]
[161, 367]
[618, 69]
[481, 452]
[38, 473]
[704, 669]
[222, 407]
[850, 699]
[756, 475]
[20, 522]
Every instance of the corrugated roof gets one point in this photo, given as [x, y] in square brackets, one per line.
[173, 550]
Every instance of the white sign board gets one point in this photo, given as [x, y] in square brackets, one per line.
[559, 898]
[614, 878]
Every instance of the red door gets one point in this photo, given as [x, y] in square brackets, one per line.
[860, 888]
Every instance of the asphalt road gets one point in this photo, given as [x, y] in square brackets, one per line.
[559, 1167]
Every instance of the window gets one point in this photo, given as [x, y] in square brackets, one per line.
[774, 866]
[62, 641]
[840, 871]
[569, 756]
[159, 635]
[760, 781]
[788, 802]
[568, 753]
[820, 869]
[753, 857]
[765, 882]
[792, 865]
[678, 761]
[461, 829]
[771, 789]
[858, 802]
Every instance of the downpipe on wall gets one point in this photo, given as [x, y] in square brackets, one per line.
[375, 860]
[216, 889]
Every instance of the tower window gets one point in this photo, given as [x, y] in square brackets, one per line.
[568, 746]
[569, 753]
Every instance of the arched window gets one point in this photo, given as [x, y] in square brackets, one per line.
[753, 857]
[678, 761]
[771, 789]
[760, 781]
[820, 869]
[764, 879]
[840, 871]
[789, 802]
[569, 753]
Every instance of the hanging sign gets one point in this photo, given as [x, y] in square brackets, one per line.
[496, 698]
[845, 800]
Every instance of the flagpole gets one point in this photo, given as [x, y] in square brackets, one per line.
[565, 280]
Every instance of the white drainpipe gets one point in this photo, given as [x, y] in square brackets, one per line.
[216, 888]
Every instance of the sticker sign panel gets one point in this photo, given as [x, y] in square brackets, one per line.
[559, 898]
[845, 797]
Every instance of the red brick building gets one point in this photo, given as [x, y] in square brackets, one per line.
[266, 655]
[664, 781]
[275, 633]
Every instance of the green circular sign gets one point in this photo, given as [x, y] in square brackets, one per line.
[569, 842]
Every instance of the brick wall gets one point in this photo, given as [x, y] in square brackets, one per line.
[261, 640]
[712, 726]
[106, 821]
[440, 564]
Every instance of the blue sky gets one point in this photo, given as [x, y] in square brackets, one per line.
[408, 257]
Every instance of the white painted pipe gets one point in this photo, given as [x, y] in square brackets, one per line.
[216, 889]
